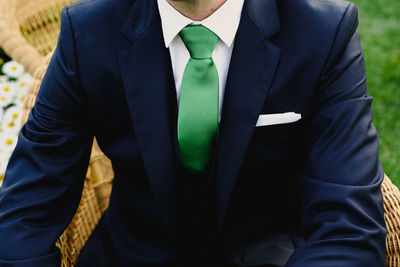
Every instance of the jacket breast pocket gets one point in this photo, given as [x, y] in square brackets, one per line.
[278, 131]
[279, 142]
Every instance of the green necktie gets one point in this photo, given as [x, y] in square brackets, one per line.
[198, 107]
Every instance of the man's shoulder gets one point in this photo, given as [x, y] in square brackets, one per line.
[98, 6]
[317, 25]
[322, 5]
[98, 13]
[322, 9]
[325, 15]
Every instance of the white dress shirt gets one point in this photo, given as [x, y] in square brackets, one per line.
[224, 22]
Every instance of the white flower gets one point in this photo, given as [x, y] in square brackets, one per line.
[26, 77]
[3, 166]
[22, 85]
[7, 144]
[3, 79]
[24, 81]
[13, 69]
[6, 150]
[7, 88]
[7, 92]
[11, 119]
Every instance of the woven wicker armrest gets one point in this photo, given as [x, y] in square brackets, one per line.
[391, 200]
[12, 40]
[29, 29]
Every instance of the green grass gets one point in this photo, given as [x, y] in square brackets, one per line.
[379, 31]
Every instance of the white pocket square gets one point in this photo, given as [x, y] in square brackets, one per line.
[277, 118]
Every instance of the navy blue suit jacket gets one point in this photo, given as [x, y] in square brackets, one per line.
[111, 77]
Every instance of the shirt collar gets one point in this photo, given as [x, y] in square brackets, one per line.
[224, 22]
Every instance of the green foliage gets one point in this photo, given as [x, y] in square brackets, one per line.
[379, 31]
[3, 58]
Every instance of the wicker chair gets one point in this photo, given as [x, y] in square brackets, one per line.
[28, 33]
[29, 29]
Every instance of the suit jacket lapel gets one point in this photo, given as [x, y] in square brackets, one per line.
[149, 87]
[253, 64]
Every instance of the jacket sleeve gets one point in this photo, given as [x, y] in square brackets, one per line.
[342, 206]
[44, 178]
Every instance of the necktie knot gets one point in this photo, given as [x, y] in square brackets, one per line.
[199, 41]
